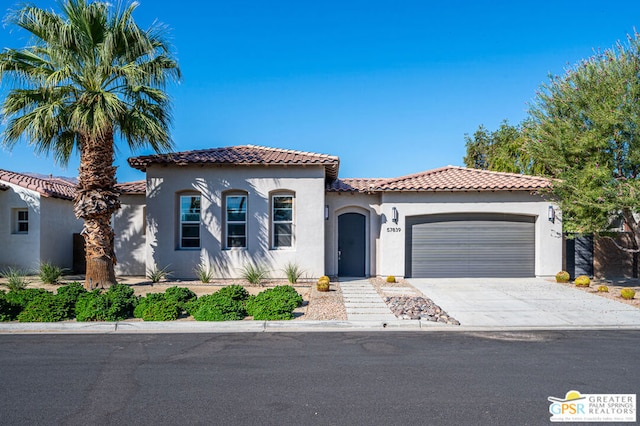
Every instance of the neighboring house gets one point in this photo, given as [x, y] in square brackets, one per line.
[230, 207]
[36, 221]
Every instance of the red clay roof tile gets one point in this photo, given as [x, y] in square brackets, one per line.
[244, 155]
[135, 187]
[54, 187]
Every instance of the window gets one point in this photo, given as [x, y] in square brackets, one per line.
[282, 221]
[189, 221]
[236, 221]
[21, 221]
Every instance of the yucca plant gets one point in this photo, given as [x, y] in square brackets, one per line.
[50, 273]
[204, 273]
[254, 273]
[156, 274]
[16, 278]
[293, 271]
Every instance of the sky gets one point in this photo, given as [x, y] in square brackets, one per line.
[390, 87]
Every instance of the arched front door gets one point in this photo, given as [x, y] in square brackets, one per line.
[351, 245]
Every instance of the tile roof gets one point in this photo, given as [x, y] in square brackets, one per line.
[54, 187]
[136, 187]
[450, 178]
[244, 155]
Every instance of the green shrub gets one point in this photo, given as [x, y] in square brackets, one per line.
[391, 279]
[254, 274]
[16, 278]
[276, 303]
[45, 307]
[50, 273]
[582, 281]
[180, 296]
[156, 274]
[204, 273]
[163, 310]
[293, 272]
[226, 304]
[562, 277]
[145, 302]
[70, 293]
[8, 309]
[21, 298]
[627, 293]
[115, 304]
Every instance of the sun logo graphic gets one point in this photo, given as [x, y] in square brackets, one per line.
[577, 407]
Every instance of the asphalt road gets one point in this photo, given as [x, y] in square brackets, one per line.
[394, 378]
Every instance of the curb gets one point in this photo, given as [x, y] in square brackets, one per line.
[125, 327]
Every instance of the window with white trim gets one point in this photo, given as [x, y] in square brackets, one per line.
[236, 221]
[20, 221]
[282, 221]
[189, 221]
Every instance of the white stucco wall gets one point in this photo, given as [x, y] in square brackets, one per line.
[365, 204]
[57, 226]
[164, 183]
[548, 245]
[130, 235]
[19, 250]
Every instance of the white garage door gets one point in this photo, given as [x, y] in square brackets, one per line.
[471, 245]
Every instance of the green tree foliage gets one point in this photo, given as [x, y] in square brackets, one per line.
[502, 150]
[585, 131]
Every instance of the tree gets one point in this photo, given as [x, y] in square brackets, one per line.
[89, 76]
[501, 150]
[585, 130]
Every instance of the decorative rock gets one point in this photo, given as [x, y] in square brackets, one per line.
[418, 308]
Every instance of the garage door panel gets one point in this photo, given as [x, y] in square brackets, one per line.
[471, 246]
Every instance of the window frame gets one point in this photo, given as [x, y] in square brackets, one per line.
[17, 221]
[291, 222]
[182, 222]
[228, 222]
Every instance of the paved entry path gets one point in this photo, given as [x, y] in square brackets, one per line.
[524, 302]
[363, 302]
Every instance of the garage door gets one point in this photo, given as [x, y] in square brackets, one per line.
[464, 245]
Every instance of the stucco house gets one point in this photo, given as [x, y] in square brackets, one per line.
[230, 207]
[36, 221]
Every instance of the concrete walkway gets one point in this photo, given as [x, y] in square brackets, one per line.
[362, 302]
[524, 302]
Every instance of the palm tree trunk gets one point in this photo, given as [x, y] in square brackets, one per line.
[96, 200]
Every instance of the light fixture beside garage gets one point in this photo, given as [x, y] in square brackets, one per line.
[394, 215]
[326, 212]
[551, 213]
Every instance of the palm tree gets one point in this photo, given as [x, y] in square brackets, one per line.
[89, 75]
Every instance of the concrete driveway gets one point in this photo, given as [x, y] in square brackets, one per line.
[524, 302]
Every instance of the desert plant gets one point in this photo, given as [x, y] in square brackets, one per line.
[254, 273]
[324, 278]
[204, 273]
[603, 289]
[50, 273]
[391, 279]
[627, 293]
[156, 274]
[323, 285]
[275, 303]
[562, 277]
[582, 281]
[293, 271]
[115, 304]
[16, 278]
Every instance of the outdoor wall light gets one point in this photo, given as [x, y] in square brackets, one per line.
[551, 213]
[394, 215]
[326, 212]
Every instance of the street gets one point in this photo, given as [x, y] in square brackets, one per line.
[355, 378]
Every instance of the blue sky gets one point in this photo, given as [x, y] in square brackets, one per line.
[389, 87]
